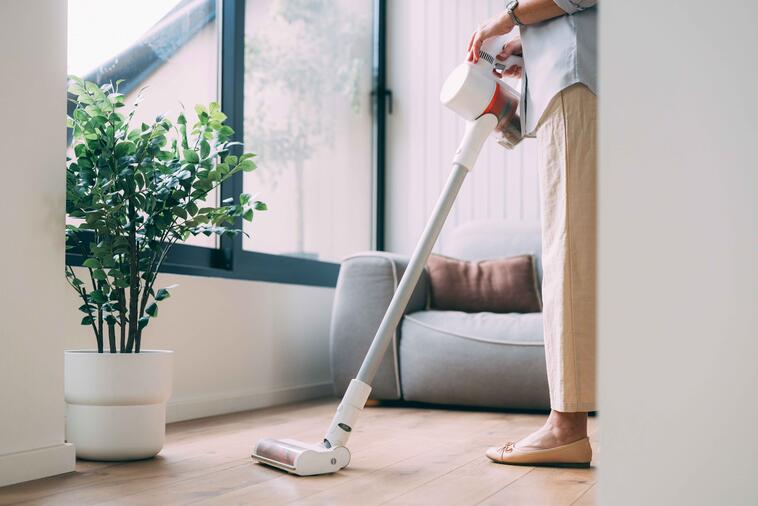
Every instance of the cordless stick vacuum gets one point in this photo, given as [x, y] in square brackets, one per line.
[488, 104]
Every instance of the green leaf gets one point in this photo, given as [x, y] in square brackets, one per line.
[152, 309]
[142, 322]
[87, 320]
[162, 294]
[205, 149]
[180, 212]
[121, 283]
[191, 208]
[99, 275]
[124, 148]
[261, 206]
[97, 297]
[92, 263]
[248, 216]
[76, 89]
[247, 165]
[218, 117]
[191, 156]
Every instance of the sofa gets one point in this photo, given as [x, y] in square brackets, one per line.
[442, 357]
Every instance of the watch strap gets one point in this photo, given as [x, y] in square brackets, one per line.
[509, 8]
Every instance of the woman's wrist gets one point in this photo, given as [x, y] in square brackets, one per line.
[529, 12]
[506, 22]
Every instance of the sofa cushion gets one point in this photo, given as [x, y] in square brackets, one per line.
[482, 359]
[503, 285]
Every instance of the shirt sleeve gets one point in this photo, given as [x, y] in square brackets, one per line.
[573, 6]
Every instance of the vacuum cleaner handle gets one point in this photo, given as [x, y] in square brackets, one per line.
[357, 393]
[509, 62]
[476, 133]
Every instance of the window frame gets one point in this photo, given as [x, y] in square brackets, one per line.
[229, 259]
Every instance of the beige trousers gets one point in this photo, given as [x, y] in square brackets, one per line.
[567, 163]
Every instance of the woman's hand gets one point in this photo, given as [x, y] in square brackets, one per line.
[513, 47]
[499, 25]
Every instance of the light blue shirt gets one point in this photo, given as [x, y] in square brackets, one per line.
[558, 53]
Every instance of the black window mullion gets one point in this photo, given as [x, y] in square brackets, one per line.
[232, 96]
[382, 96]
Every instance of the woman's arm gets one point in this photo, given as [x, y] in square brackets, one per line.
[528, 12]
[534, 11]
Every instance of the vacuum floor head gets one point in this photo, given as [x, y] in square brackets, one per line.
[299, 458]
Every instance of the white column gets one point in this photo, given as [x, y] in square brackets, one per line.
[678, 253]
[33, 294]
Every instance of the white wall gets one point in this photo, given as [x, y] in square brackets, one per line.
[426, 40]
[239, 344]
[33, 146]
[678, 243]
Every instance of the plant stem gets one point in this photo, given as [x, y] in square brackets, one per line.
[134, 282]
[122, 318]
[112, 335]
[100, 329]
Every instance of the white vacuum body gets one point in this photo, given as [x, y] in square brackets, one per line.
[473, 90]
[488, 105]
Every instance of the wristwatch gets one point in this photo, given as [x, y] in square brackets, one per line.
[509, 8]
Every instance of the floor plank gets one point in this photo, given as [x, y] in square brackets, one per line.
[544, 486]
[589, 498]
[400, 456]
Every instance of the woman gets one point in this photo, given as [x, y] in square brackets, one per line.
[558, 42]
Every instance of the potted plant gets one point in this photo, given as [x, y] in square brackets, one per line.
[133, 192]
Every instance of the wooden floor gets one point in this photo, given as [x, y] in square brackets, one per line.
[400, 456]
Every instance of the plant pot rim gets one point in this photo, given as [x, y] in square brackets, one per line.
[95, 352]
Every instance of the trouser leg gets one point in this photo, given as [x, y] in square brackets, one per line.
[567, 162]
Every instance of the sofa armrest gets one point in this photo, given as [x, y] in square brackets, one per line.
[365, 287]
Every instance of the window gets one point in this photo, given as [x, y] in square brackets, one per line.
[308, 116]
[306, 110]
[169, 48]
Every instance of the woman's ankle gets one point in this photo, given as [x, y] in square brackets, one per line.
[567, 426]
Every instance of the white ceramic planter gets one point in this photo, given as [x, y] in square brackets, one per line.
[116, 403]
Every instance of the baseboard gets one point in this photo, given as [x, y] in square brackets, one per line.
[219, 404]
[38, 463]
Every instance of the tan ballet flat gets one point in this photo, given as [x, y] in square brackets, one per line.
[576, 454]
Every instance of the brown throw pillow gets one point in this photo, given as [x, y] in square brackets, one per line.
[505, 285]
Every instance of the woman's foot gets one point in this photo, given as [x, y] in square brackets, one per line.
[561, 441]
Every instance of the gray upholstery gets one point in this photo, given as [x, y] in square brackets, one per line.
[482, 359]
[365, 287]
[447, 357]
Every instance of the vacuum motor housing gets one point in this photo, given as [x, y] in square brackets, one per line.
[472, 90]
